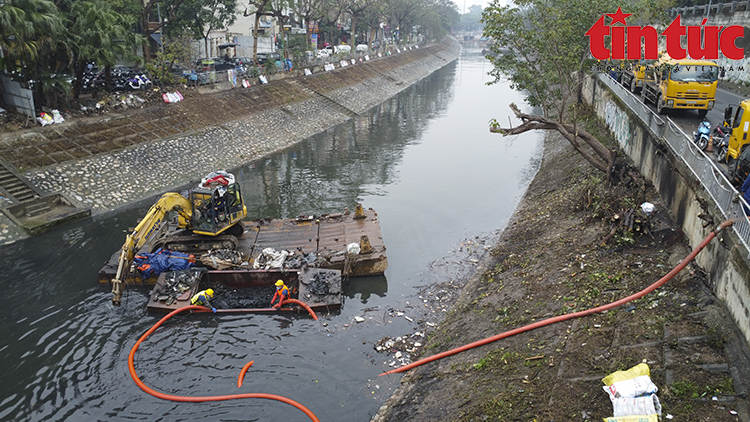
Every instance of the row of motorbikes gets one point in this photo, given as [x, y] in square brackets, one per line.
[122, 79]
[718, 136]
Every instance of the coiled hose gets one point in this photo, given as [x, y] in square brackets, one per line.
[200, 399]
[579, 314]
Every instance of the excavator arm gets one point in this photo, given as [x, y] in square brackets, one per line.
[148, 227]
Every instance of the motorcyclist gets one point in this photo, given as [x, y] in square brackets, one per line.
[201, 299]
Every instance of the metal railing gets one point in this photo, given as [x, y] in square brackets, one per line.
[250, 72]
[725, 196]
[717, 7]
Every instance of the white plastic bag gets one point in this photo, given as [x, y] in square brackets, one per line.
[647, 208]
[634, 387]
[633, 406]
[353, 248]
[634, 382]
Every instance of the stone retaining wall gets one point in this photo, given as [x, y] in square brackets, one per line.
[225, 130]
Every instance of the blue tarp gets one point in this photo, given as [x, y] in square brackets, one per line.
[153, 264]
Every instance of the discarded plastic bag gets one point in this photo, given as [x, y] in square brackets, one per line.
[353, 248]
[629, 406]
[634, 382]
[647, 208]
[270, 258]
[57, 117]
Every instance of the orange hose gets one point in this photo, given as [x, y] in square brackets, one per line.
[200, 399]
[302, 304]
[242, 373]
[566, 317]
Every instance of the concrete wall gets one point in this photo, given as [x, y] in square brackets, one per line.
[725, 259]
[736, 71]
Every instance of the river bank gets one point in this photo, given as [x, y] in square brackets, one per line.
[550, 260]
[109, 163]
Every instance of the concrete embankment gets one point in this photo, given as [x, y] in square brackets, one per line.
[127, 158]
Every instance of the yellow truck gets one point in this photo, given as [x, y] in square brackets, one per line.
[681, 85]
[736, 151]
[634, 75]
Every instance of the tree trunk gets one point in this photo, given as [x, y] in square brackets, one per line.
[80, 66]
[255, 38]
[146, 46]
[602, 159]
[354, 32]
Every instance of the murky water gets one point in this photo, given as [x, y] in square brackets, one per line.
[424, 160]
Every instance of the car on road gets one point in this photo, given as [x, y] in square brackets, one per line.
[343, 48]
[324, 52]
[361, 48]
[264, 58]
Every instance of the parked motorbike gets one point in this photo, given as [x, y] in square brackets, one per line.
[720, 135]
[703, 135]
[139, 82]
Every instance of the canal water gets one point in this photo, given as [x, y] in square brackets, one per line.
[424, 160]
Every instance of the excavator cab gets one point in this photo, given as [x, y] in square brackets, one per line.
[217, 205]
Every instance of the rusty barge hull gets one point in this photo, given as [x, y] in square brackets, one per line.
[327, 236]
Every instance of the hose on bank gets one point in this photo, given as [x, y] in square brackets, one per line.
[579, 314]
[200, 399]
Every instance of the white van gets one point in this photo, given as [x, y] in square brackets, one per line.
[343, 48]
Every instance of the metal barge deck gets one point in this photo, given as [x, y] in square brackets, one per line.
[327, 236]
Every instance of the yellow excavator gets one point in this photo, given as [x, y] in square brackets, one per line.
[211, 218]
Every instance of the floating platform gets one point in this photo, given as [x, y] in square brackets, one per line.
[326, 236]
[247, 290]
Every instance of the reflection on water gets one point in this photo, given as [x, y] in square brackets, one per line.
[424, 160]
[364, 287]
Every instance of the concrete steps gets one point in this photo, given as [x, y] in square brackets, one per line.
[14, 186]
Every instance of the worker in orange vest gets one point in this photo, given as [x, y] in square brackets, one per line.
[282, 292]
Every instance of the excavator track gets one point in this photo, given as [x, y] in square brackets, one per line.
[195, 244]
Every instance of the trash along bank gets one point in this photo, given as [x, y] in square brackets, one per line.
[551, 261]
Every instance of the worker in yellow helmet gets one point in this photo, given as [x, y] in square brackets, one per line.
[282, 292]
[201, 299]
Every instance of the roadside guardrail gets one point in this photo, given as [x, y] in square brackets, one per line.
[727, 199]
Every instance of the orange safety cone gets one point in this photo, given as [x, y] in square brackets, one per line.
[710, 146]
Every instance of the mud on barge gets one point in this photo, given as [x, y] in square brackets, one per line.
[211, 217]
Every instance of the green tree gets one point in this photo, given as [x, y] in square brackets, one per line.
[101, 35]
[542, 49]
[28, 26]
[470, 21]
[201, 17]
[177, 51]
[150, 10]
[439, 17]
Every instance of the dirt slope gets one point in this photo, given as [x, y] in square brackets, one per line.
[550, 261]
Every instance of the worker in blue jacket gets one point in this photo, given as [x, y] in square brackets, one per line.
[282, 293]
[201, 299]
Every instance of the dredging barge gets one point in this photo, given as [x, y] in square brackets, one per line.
[212, 217]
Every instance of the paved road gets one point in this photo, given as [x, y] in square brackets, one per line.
[688, 120]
